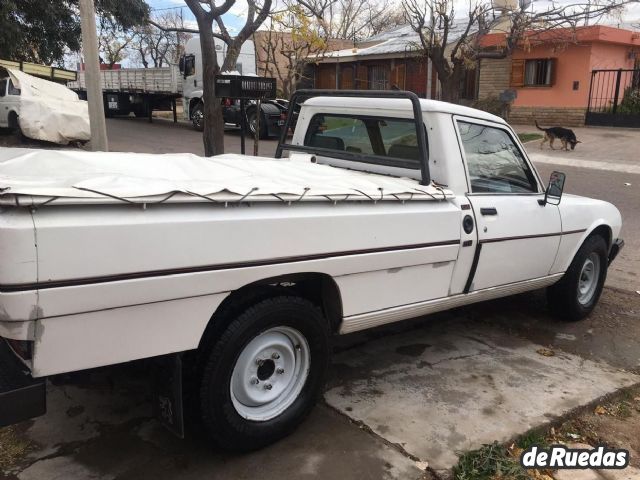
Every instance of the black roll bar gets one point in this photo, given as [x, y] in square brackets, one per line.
[359, 157]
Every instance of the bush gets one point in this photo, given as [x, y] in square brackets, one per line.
[489, 104]
[630, 102]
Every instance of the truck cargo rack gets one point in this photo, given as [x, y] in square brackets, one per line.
[305, 94]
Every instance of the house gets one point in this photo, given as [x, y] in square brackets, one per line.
[274, 54]
[392, 59]
[559, 74]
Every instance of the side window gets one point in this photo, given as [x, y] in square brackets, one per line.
[494, 162]
[3, 87]
[392, 139]
[12, 89]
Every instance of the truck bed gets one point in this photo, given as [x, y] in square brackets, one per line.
[163, 80]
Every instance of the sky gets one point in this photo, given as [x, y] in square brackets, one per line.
[235, 18]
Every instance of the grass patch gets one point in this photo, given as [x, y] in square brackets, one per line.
[12, 448]
[529, 137]
[489, 463]
[532, 439]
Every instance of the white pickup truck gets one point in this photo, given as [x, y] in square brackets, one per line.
[237, 270]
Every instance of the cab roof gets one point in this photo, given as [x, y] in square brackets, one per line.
[363, 104]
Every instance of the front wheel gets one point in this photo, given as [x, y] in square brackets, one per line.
[264, 374]
[575, 296]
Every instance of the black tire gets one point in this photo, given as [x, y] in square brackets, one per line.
[226, 427]
[564, 297]
[251, 118]
[14, 126]
[197, 117]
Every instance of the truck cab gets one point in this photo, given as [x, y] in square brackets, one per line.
[9, 103]
[191, 70]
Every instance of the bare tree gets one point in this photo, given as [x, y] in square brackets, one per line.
[454, 44]
[291, 39]
[350, 19]
[393, 17]
[157, 47]
[207, 12]
[113, 40]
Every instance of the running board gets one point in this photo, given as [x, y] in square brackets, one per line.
[364, 321]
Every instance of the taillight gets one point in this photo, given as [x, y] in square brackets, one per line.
[23, 348]
[227, 102]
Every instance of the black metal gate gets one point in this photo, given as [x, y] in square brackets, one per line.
[614, 98]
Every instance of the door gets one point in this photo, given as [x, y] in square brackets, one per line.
[518, 237]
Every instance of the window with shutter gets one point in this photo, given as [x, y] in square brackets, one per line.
[539, 72]
[517, 73]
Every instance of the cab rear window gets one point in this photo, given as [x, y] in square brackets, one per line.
[388, 141]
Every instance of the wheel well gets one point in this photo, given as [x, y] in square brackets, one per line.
[13, 119]
[319, 288]
[605, 232]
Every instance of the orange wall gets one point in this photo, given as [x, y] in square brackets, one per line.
[573, 63]
[606, 55]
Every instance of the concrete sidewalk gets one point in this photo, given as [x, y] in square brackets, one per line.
[614, 149]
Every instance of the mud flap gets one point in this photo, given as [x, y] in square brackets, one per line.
[167, 405]
[21, 396]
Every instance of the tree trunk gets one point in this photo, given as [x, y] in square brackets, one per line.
[213, 134]
[450, 85]
[231, 60]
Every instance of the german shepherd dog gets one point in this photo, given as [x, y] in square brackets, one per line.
[565, 135]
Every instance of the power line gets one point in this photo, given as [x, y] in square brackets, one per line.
[168, 8]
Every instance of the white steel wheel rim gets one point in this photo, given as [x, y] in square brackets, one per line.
[588, 280]
[270, 373]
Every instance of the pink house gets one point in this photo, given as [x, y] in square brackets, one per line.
[564, 76]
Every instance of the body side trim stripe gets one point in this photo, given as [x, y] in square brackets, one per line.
[524, 237]
[209, 268]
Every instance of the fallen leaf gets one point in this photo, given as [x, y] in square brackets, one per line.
[600, 410]
[422, 465]
[546, 352]
[575, 436]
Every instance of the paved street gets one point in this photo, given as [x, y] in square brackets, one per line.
[399, 398]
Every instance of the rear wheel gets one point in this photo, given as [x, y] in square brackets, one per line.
[197, 117]
[575, 296]
[252, 120]
[263, 375]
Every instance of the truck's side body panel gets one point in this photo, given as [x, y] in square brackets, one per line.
[158, 275]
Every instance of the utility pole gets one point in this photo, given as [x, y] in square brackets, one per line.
[92, 76]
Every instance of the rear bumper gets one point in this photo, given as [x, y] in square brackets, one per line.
[21, 397]
[618, 244]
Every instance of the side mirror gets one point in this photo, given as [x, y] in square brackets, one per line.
[181, 64]
[553, 194]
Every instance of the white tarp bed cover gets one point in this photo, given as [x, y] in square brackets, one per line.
[49, 111]
[30, 177]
